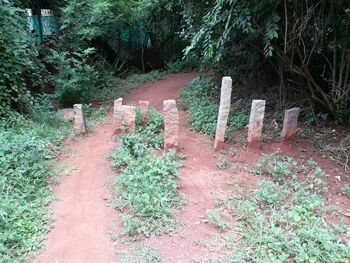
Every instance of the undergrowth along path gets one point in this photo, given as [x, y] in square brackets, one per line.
[80, 233]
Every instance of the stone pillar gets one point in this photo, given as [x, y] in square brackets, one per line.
[128, 118]
[79, 119]
[117, 113]
[224, 110]
[144, 112]
[171, 124]
[256, 122]
[117, 103]
[290, 124]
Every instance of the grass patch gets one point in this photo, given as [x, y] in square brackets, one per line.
[141, 254]
[27, 147]
[146, 187]
[285, 218]
[201, 99]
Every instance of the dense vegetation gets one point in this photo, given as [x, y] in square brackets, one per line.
[298, 49]
[286, 217]
[147, 186]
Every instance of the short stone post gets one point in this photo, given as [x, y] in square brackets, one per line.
[290, 124]
[171, 124]
[128, 118]
[256, 122]
[117, 103]
[117, 113]
[79, 119]
[144, 112]
[224, 110]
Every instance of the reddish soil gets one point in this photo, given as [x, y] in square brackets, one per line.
[80, 233]
[83, 219]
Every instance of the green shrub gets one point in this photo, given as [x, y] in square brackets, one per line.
[19, 67]
[201, 99]
[76, 80]
[147, 184]
[26, 150]
[178, 66]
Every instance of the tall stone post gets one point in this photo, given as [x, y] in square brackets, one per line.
[128, 118]
[117, 114]
[290, 124]
[144, 105]
[79, 119]
[224, 110]
[171, 124]
[256, 122]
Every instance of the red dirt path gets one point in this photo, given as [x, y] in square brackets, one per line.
[80, 233]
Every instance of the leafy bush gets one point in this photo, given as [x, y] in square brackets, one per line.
[19, 68]
[76, 80]
[85, 21]
[147, 184]
[201, 99]
[178, 66]
[285, 219]
[26, 148]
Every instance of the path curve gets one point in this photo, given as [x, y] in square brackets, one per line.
[80, 232]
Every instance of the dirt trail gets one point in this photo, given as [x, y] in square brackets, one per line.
[83, 220]
[80, 233]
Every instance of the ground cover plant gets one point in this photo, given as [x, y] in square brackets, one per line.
[26, 150]
[201, 99]
[141, 254]
[146, 187]
[286, 218]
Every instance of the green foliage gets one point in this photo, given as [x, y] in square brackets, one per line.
[147, 185]
[19, 68]
[201, 99]
[76, 80]
[141, 254]
[94, 115]
[301, 45]
[178, 66]
[222, 163]
[216, 219]
[26, 151]
[88, 20]
[285, 219]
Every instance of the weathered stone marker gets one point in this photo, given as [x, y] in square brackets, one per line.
[171, 124]
[67, 113]
[117, 113]
[79, 119]
[128, 118]
[290, 124]
[144, 112]
[225, 102]
[256, 122]
[117, 103]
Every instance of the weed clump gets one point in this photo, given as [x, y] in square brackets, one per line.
[146, 187]
[26, 150]
[285, 218]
